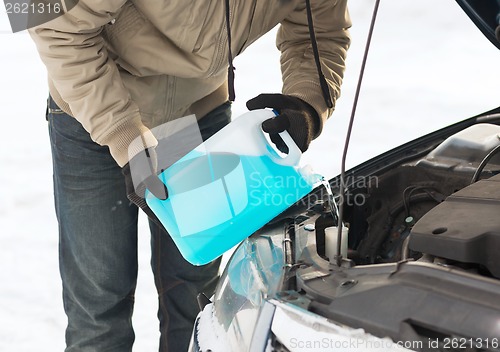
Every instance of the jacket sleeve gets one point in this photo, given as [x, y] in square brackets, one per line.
[73, 50]
[300, 77]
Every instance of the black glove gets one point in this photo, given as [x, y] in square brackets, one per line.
[144, 176]
[295, 115]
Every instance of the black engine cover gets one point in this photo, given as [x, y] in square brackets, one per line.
[465, 227]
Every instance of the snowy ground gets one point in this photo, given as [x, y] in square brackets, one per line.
[429, 67]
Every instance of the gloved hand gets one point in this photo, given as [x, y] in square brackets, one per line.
[295, 115]
[140, 173]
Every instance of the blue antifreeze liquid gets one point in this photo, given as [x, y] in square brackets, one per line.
[218, 199]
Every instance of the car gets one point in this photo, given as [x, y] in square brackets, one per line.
[421, 270]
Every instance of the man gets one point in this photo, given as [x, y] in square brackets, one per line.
[117, 69]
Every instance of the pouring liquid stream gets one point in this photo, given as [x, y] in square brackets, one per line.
[334, 210]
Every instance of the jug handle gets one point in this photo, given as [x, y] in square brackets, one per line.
[294, 153]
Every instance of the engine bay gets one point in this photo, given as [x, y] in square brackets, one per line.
[432, 206]
[423, 242]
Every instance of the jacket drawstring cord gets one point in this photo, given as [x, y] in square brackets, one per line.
[322, 80]
[231, 68]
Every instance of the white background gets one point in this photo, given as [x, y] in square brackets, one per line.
[429, 67]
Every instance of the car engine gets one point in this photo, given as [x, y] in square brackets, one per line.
[432, 206]
[423, 259]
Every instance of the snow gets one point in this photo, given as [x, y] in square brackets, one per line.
[429, 67]
[210, 334]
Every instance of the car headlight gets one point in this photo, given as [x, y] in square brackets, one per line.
[254, 272]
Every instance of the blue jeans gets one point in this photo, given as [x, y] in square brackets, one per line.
[98, 246]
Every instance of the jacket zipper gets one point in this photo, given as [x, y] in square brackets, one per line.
[221, 46]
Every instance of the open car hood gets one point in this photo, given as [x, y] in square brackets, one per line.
[486, 16]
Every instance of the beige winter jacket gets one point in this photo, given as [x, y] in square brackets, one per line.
[121, 67]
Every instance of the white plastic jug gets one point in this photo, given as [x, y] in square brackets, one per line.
[229, 187]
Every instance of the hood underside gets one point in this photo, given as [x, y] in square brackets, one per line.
[486, 16]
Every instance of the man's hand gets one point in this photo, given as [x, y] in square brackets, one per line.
[295, 116]
[141, 173]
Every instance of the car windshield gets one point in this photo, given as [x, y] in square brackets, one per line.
[429, 66]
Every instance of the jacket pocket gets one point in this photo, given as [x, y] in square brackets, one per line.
[127, 22]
